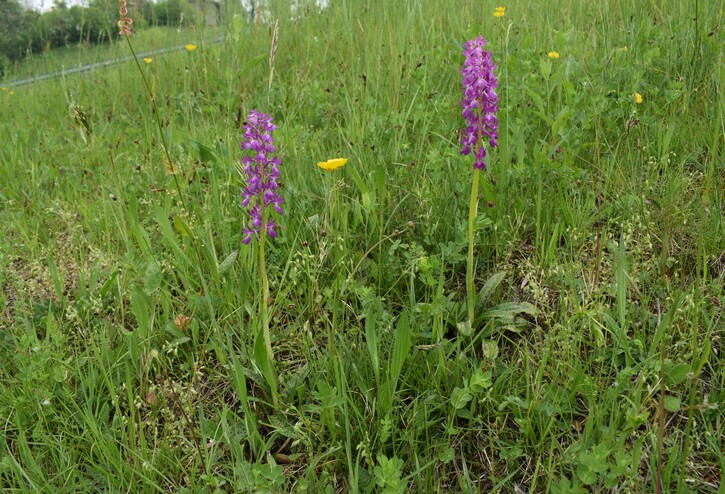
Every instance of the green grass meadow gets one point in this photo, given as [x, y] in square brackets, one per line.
[71, 57]
[129, 305]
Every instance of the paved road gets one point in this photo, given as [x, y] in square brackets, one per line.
[98, 65]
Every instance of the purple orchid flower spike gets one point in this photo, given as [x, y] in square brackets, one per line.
[479, 101]
[261, 173]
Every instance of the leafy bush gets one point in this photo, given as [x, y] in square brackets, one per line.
[169, 12]
[16, 24]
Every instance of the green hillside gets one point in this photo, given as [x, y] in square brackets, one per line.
[133, 349]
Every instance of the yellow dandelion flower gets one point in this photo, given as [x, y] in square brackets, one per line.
[332, 164]
[499, 11]
[637, 98]
[553, 55]
[190, 47]
[11, 92]
[5, 89]
[148, 60]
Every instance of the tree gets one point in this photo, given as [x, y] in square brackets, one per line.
[17, 26]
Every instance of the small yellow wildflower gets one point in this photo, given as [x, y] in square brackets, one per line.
[5, 89]
[332, 164]
[637, 98]
[499, 11]
[11, 93]
[553, 55]
[190, 47]
[148, 60]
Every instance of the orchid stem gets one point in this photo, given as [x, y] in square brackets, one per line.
[162, 135]
[270, 373]
[472, 213]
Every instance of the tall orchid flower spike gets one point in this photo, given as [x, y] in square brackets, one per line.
[479, 101]
[260, 199]
[261, 173]
[480, 104]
